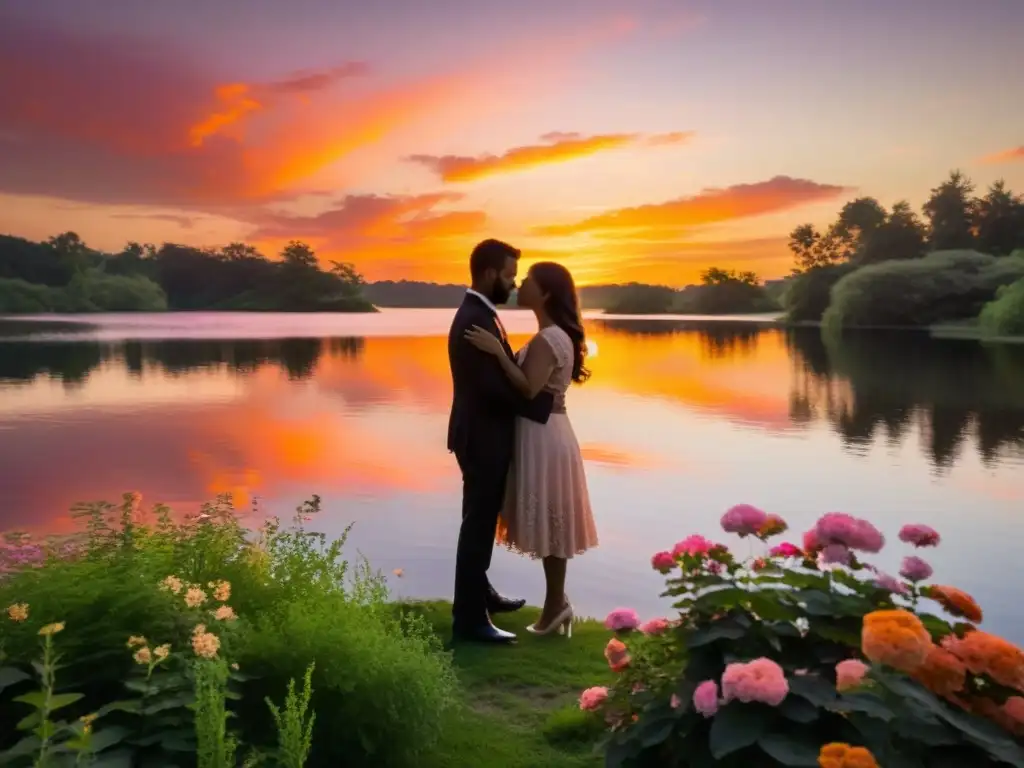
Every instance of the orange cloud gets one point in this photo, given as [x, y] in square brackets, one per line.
[384, 234]
[559, 147]
[153, 128]
[675, 218]
[1006, 156]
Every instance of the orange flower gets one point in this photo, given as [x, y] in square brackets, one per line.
[985, 654]
[956, 601]
[942, 673]
[896, 638]
[838, 755]
[617, 654]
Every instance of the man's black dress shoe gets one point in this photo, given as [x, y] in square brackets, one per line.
[498, 604]
[483, 633]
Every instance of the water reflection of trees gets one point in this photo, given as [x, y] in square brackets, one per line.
[891, 384]
[718, 338]
[72, 361]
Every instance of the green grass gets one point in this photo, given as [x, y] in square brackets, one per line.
[519, 703]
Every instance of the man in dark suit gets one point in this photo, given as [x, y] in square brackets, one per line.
[481, 434]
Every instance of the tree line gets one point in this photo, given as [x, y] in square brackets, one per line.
[63, 274]
[960, 261]
[954, 218]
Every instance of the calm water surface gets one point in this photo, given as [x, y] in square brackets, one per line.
[681, 420]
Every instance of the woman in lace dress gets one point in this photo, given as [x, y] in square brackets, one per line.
[547, 512]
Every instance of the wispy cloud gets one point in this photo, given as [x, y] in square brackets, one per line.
[675, 218]
[556, 147]
[1016, 154]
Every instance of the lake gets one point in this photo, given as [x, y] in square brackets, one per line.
[681, 419]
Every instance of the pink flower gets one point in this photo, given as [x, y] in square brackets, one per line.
[663, 561]
[675, 702]
[890, 584]
[759, 680]
[654, 626]
[852, 532]
[920, 535]
[811, 541]
[617, 654]
[592, 698]
[868, 538]
[714, 567]
[915, 569]
[695, 545]
[849, 674]
[835, 554]
[622, 619]
[705, 698]
[743, 519]
[785, 549]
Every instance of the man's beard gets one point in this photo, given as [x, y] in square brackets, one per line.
[499, 293]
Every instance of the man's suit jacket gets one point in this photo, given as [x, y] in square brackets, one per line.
[481, 427]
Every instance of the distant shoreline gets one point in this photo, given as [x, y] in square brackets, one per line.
[24, 325]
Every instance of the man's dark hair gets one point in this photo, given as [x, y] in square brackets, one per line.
[490, 254]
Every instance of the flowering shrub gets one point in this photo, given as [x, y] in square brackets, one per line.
[808, 656]
[176, 624]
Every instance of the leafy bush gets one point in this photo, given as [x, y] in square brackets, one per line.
[89, 291]
[1004, 316]
[642, 300]
[943, 286]
[132, 575]
[806, 654]
[808, 294]
[380, 687]
[95, 291]
[733, 297]
[18, 297]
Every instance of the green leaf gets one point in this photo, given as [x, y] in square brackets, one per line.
[108, 737]
[816, 690]
[798, 709]
[790, 750]
[26, 746]
[34, 699]
[167, 702]
[654, 730]
[620, 751]
[721, 630]
[29, 722]
[735, 727]
[868, 703]
[131, 705]
[816, 603]
[61, 700]
[910, 690]
[981, 732]
[11, 676]
[930, 734]
[720, 598]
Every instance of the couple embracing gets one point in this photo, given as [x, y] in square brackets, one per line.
[523, 479]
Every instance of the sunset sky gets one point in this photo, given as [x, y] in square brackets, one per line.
[640, 140]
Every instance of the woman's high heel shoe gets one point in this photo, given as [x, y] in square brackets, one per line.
[562, 622]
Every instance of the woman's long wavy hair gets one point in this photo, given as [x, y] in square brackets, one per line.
[563, 307]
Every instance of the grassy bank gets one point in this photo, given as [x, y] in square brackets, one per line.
[518, 705]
